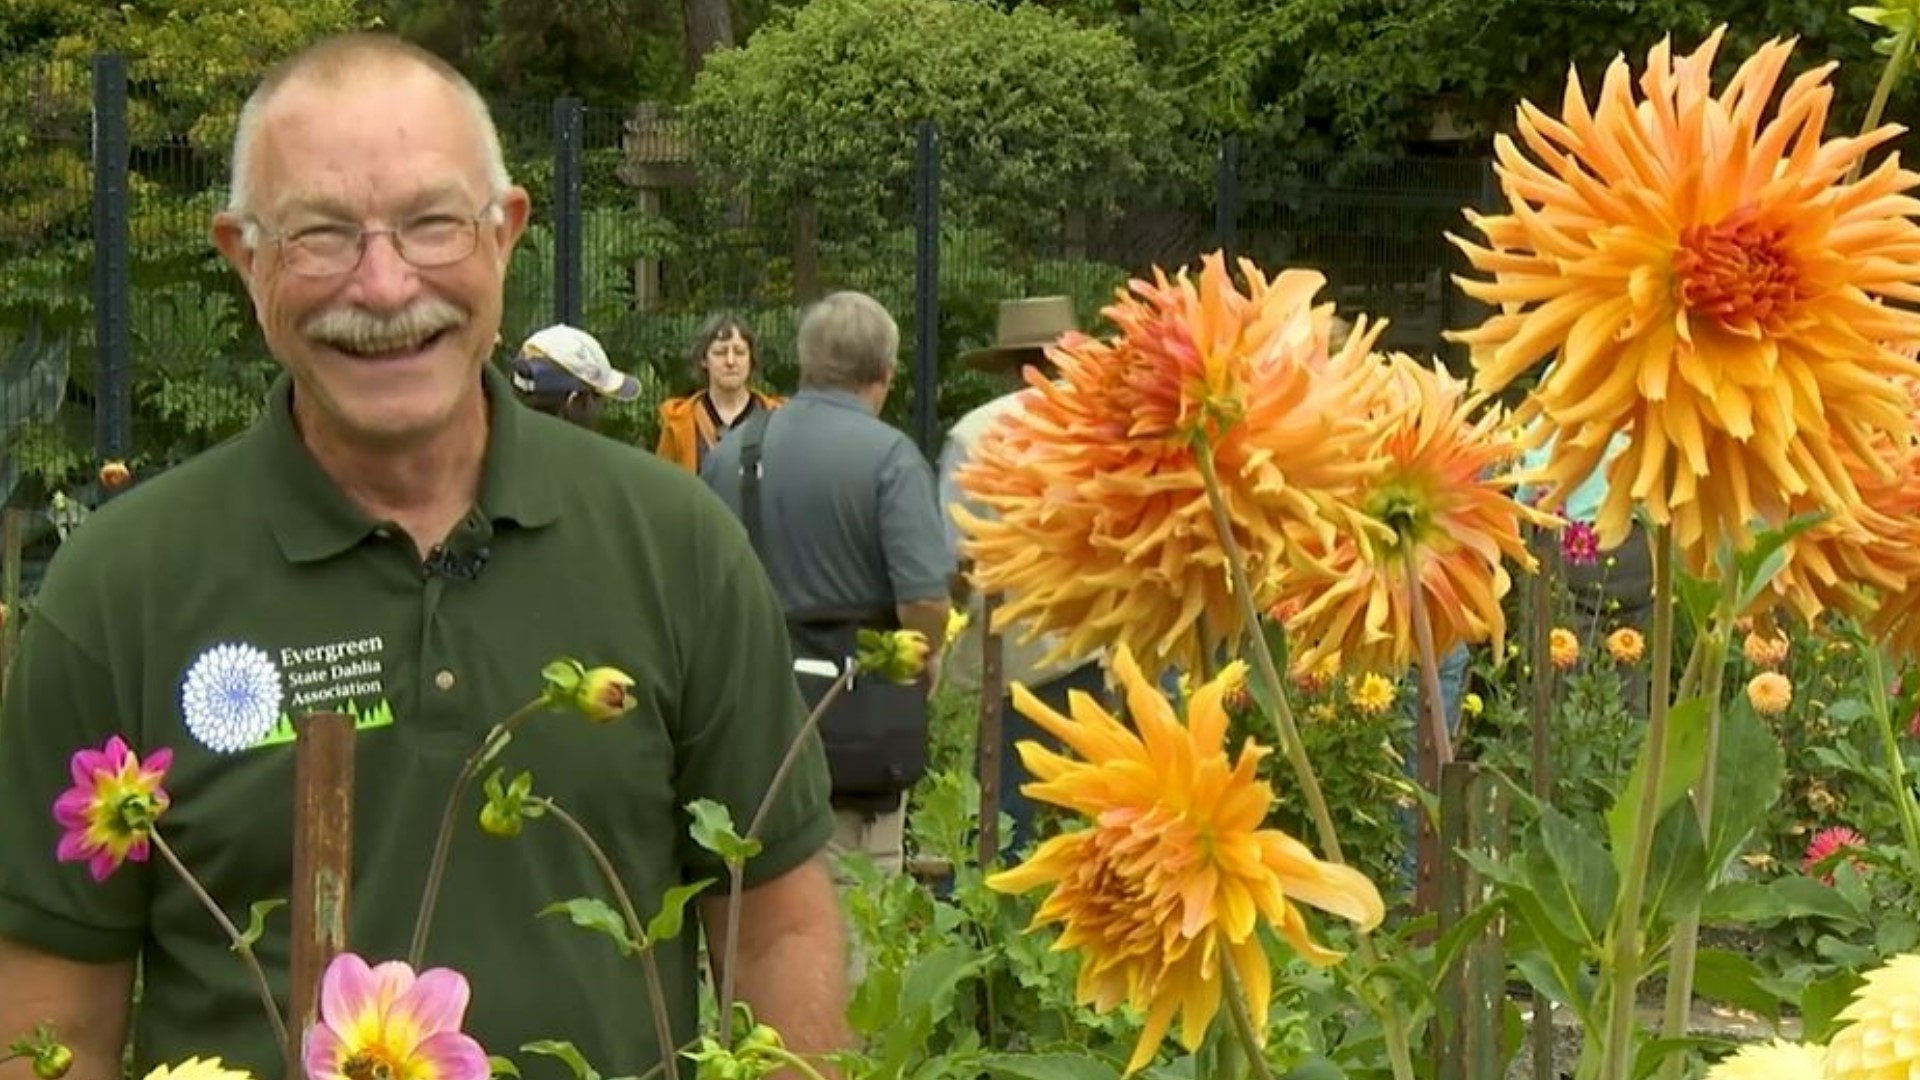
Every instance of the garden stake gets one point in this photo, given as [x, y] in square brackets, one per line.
[12, 541]
[992, 679]
[322, 862]
[1539, 634]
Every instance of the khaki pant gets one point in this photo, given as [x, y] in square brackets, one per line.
[880, 837]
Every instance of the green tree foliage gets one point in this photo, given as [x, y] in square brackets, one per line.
[1035, 113]
[1309, 81]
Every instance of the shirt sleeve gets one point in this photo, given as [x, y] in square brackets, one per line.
[59, 699]
[912, 538]
[742, 713]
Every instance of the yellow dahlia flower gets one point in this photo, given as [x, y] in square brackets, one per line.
[1711, 285]
[1442, 499]
[1765, 650]
[1371, 693]
[195, 1068]
[1777, 1060]
[1563, 648]
[1770, 693]
[1101, 532]
[1174, 870]
[1626, 646]
[1878, 1041]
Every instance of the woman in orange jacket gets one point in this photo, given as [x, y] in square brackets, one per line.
[723, 356]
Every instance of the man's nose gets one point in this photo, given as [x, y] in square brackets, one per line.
[384, 281]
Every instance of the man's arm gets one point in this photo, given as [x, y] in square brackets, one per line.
[86, 1005]
[930, 618]
[791, 962]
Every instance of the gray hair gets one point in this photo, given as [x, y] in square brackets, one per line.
[332, 61]
[847, 342]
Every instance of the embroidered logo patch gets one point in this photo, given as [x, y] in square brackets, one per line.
[231, 697]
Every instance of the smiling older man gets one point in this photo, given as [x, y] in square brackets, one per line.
[397, 538]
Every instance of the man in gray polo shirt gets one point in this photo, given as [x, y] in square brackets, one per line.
[841, 508]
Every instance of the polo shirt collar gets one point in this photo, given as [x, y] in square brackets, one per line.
[313, 520]
[840, 398]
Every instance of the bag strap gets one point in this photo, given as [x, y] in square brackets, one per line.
[753, 437]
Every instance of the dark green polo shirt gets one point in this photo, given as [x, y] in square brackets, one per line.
[203, 607]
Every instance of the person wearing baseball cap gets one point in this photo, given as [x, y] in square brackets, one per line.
[564, 372]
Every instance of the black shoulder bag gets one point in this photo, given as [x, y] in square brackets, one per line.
[875, 734]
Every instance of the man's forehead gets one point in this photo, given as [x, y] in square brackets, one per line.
[323, 142]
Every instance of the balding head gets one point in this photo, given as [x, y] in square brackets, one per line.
[340, 61]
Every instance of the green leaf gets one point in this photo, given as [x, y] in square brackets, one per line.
[1729, 977]
[1047, 1067]
[1684, 755]
[1698, 597]
[713, 830]
[1747, 782]
[563, 678]
[501, 1066]
[1761, 563]
[1678, 866]
[1572, 875]
[257, 922]
[1790, 897]
[568, 1054]
[591, 914]
[1315, 1068]
[1821, 1002]
[667, 922]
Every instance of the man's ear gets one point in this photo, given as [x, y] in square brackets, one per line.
[229, 235]
[515, 207]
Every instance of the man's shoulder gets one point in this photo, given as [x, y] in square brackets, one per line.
[597, 461]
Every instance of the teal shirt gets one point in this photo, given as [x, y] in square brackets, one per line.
[1583, 503]
[205, 606]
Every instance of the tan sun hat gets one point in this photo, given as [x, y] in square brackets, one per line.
[1025, 329]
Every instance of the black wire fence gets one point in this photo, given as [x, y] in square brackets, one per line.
[124, 337]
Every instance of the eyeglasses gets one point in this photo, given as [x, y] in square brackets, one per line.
[425, 243]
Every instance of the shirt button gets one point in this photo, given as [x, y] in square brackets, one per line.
[444, 680]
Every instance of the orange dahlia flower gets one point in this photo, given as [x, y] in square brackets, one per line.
[1099, 528]
[1866, 562]
[1174, 870]
[1709, 283]
[1442, 502]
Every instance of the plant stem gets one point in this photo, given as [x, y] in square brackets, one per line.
[1436, 718]
[662, 1027]
[736, 869]
[1616, 1058]
[495, 741]
[1897, 62]
[1392, 1023]
[796, 1062]
[240, 944]
[1890, 744]
[1711, 654]
[1242, 1020]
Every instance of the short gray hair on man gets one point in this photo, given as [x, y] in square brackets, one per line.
[847, 342]
[332, 61]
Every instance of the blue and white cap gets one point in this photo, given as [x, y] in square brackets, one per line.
[561, 360]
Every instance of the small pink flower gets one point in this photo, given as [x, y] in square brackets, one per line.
[110, 810]
[1913, 726]
[1823, 846]
[1579, 544]
[384, 1023]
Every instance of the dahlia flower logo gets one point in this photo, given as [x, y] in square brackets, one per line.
[231, 697]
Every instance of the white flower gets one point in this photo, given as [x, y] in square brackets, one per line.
[231, 697]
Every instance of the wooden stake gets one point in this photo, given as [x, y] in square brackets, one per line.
[322, 862]
[992, 681]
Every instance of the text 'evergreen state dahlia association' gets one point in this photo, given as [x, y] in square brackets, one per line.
[1173, 872]
[1438, 504]
[1099, 529]
[1710, 284]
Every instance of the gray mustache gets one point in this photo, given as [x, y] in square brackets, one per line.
[360, 330]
